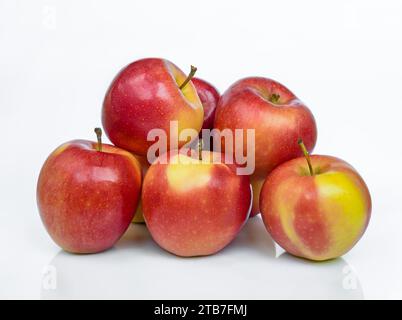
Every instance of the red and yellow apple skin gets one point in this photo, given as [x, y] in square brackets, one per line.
[193, 207]
[256, 184]
[87, 198]
[316, 217]
[145, 95]
[248, 104]
[209, 97]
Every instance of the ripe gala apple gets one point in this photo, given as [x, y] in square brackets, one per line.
[318, 215]
[194, 207]
[149, 94]
[278, 117]
[87, 194]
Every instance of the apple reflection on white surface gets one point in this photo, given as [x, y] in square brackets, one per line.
[138, 269]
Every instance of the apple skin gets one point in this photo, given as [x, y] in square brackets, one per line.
[193, 207]
[87, 198]
[209, 97]
[246, 105]
[145, 95]
[318, 217]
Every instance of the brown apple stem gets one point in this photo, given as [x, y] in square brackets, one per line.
[274, 98]
[200, 146]
[189, 77]
[98, 132]
[306, 155]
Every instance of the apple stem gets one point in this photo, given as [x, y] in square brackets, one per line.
[274, 98]
[306, 155]
[98, 132]
[200, 146]
[189, 77]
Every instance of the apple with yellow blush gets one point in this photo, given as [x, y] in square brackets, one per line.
[194, 206]
[148, 94]
[316, 209]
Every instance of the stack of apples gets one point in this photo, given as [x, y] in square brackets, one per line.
[195, 203]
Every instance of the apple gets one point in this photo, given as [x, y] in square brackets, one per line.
[209, 97]
[277, 115]
[317, 211]
[148, 94]
[194, 206]
[87, 194]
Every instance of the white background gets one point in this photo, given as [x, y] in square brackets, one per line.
[342, 58]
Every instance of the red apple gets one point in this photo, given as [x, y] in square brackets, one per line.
[194, 207]
[277, 115]
[149, 94]
[209, 97]
[87, 194]
[318, 213]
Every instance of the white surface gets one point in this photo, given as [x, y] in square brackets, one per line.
[342, 58]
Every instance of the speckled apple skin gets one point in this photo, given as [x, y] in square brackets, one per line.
[278, 126]
[195, 209]
[316, 217]
[87, 198]
[145, 95]
[209, 97]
